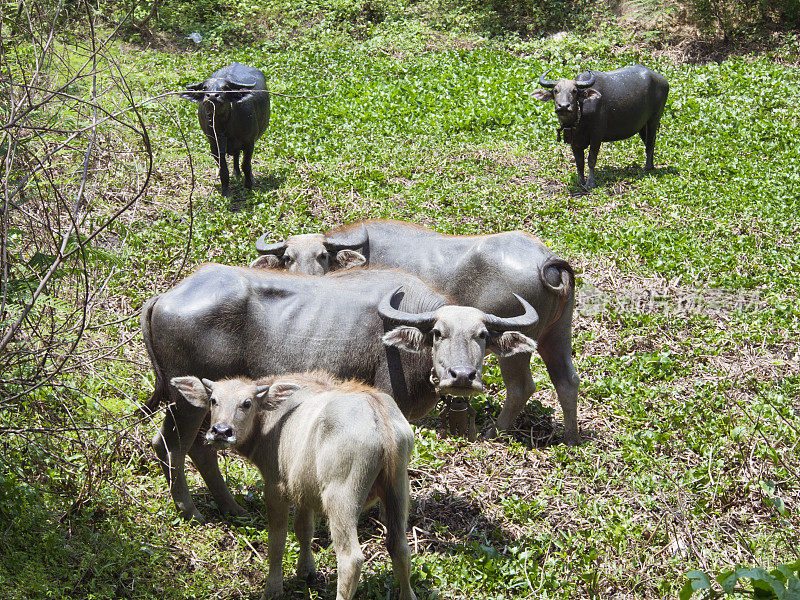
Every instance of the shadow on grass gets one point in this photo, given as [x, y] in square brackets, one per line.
[609, 176]
[240, 198]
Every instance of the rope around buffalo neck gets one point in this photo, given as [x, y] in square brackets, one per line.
[573, 126]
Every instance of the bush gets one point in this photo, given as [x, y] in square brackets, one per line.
[737, 18]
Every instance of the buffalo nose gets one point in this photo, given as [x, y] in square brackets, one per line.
[222, 430]
[462, 375]
[562, 107]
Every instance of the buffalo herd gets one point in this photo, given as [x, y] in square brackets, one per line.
[310, 361]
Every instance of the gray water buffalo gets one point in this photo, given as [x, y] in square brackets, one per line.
[223, 322]
[605, 107]
[233, 110]
[311, 253]
[325, 446]
[483, 271]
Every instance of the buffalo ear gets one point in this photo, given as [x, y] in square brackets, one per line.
[192, 389]
[406, 338]
[279, 392]
[590, 97]
[509, 343]
[266, 261]
[543, 95]
[194, 92]
[349, 259]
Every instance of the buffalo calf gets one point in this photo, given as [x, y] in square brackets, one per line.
[233, 110]
[325, 446]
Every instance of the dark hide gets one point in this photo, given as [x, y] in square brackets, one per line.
[617, 105]
[233, 110]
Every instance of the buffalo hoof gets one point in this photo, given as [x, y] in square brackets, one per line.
[274, 590]
[235, 511]
[193, 516]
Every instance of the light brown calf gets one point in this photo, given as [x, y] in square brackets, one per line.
[325, 446]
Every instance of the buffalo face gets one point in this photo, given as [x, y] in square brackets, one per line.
[233, 404]
[569, 97]
[215, 96]
[311, 253]
[458, 338]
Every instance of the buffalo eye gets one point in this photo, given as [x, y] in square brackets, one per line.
[213, 401]
[437, 335]
[247, 403]
[322, 256]
[484, 334]
[288, 260]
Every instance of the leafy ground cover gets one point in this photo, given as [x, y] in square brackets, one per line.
[685, 337]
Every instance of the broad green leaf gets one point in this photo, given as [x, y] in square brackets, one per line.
[696, 580]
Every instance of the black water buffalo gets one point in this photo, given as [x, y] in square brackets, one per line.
[233, 110]
[483, 271]
[224, 322]
[606, 107]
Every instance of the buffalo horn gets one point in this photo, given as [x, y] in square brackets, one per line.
[546, 83]
[336, 243]
[529, 318]
[207, 383]
[586, 84]
[260, 389]
[277, 248]
[423, 321]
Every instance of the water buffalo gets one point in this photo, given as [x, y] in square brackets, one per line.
[483, 271]
[311, 253]
[606, 107]
[233, 110]
[325, 446]
[223, 322]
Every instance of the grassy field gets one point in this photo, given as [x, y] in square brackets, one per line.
[685, 335]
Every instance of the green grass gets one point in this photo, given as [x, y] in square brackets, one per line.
[690, 418]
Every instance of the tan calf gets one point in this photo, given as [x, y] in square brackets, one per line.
[325, 446]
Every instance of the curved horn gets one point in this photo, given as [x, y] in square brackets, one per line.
[261, 389]
[529, 318]
[546, 83]
[423, 321]
[586, 84]
[208, 384]
[336, 243]
[278, 248]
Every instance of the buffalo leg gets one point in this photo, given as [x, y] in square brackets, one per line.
[304, 530]
[648, 134]
[236, 171]
[343, 510]
[171, 445]
[580, 161]
[277, 526]
[247, 167]
[594, 150]
[516, 372]
[224, 175]
[205, 459]
[395, 501]
[556, 351]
